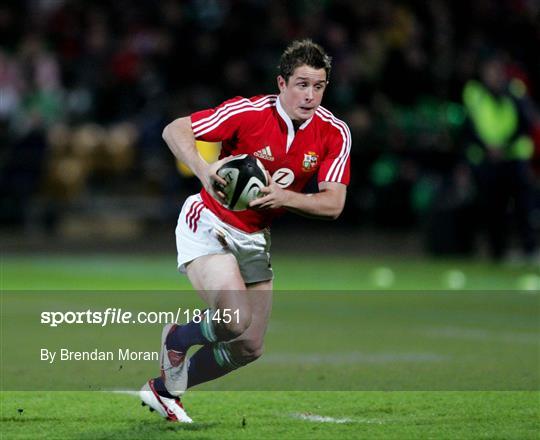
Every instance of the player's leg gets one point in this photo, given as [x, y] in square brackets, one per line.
[203, 254]
[208, 252]
[255, 268]
[248, 347]
[213, 276]
[219, 283]
[221, 280]
[215, 360]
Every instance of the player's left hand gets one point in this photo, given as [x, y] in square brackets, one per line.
[273, 196]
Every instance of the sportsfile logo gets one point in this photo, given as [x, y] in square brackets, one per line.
[114, 315]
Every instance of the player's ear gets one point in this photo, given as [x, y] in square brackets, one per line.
[282, 84]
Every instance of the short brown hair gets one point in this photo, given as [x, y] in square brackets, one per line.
[303, 52]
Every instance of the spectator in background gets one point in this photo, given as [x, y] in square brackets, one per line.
[499, 149]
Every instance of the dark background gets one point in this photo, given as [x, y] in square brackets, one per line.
[86, 88]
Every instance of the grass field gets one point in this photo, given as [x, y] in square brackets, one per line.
[466, 362]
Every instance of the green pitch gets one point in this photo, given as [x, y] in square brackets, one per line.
[337, 354]
[292, 272]
[251, 415]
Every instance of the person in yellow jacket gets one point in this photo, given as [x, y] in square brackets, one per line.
[499, 149]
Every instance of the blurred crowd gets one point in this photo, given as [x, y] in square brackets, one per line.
[86, 88]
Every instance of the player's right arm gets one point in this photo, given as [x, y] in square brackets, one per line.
[211, 125]
[181, 141]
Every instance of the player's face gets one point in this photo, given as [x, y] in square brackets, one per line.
[303, 93]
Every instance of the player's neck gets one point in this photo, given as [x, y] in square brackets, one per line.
[286, 114]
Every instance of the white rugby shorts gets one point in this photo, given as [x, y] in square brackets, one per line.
[200, 232]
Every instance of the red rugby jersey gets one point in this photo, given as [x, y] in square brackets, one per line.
[259, 126]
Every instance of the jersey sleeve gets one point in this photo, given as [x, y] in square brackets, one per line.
[335, 167]
[220, 123]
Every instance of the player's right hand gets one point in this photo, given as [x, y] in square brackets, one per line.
[215, 185]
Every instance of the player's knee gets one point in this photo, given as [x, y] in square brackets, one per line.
[236, 326]
[251, 350]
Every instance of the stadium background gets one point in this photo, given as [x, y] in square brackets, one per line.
[90, 195]
[87, 88]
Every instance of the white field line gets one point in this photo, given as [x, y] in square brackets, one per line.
[309, 417]
[320, 419]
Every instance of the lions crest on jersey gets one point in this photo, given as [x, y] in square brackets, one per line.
[310, 161]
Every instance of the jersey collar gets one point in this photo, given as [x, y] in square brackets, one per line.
[288, 121]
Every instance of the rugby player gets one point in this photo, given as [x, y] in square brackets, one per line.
[224, 253]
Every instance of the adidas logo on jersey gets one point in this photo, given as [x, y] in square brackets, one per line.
[264, 153]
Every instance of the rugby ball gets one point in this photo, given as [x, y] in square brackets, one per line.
[245, 176]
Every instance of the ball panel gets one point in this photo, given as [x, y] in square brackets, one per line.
[245, 176]
[250, 192]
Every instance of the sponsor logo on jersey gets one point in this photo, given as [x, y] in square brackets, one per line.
[265, 153]
[283, 177]
[310, 161]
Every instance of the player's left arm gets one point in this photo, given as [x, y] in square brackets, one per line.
[327, 204]
[333, 177]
